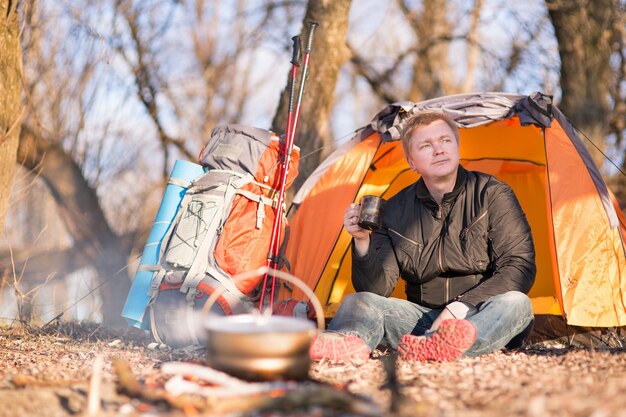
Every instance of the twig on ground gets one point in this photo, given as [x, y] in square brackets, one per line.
[93, 402]
[21, 381]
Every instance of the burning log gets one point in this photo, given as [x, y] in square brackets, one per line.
[222, 384]
[226, 394]
[129, 385]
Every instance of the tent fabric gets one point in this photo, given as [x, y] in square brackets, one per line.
[577, 226]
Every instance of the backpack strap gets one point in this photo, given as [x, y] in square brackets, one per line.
[221, 300]
[160, 270]
[217, 189]
[262, 202]
[179, 182]
[156, 282]
[200, 263]
[188, 323]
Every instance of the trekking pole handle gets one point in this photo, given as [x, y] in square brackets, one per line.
[309, 39]
[295, 51]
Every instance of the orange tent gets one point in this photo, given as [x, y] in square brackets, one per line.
[578, 228]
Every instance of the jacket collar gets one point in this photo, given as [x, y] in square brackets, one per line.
[448, 198]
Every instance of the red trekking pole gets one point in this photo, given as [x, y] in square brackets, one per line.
[292, 124]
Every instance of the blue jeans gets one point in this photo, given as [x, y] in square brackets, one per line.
[377, 319]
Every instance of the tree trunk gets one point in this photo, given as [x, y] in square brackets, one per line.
[433, 77]
[82, 215]
[10, 92]
[35, 266]
[329, 54]
[585, 31]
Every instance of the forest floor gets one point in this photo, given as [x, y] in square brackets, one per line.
[75, 369]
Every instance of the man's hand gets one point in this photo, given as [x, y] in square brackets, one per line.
[444, 315]
[454, 310]
[361, 236]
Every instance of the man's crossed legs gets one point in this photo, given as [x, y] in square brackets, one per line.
[365, 320]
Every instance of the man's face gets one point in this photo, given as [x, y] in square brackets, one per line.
[434, 151]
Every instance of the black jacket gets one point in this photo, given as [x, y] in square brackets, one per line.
[475, 245]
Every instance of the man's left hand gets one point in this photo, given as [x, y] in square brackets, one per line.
[454, 310]
[444, 315]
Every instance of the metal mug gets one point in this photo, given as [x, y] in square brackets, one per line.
[371, 212]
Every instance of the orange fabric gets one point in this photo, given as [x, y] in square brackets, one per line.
[504, 140]
[316, 224]
[577, 254]
[242, 246]
[590, 255]
[221, 301]
[529, 182]
[620, 215]
[203, 287]
[390, 175]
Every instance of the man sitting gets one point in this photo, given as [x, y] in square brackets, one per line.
[463, 245]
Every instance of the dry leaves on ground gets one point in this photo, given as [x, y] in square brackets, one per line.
[47, 373]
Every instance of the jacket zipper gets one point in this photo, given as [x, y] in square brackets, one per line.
[439, 249]
[405, 238]
[446, 286]
[418, 245]
[467, 229]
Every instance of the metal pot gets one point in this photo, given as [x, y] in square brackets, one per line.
[255, 347]
[262, 347]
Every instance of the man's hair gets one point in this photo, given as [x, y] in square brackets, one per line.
[424, 118]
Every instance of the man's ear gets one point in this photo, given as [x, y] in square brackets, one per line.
[410, 162]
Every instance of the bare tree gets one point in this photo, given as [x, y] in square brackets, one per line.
[433, 31]
[52, 146]
[80, 211]
[589, 33]
[592, 39]
[446, 50]
[330, 54]
[10, 96]
[145, 70]
[61, 146]
[202, 81]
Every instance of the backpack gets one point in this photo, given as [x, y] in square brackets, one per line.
[222, 228]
